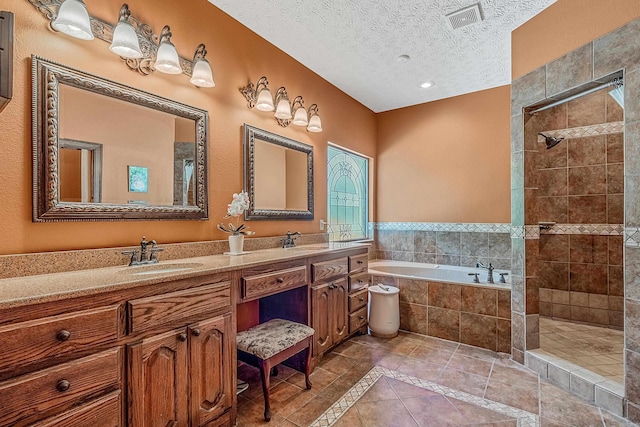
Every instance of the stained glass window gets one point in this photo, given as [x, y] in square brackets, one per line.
[348, 194]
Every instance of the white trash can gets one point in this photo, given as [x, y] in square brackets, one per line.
[384, 311]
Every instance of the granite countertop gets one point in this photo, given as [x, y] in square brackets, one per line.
[20, 291]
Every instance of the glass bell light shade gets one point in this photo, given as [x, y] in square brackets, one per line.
[265, 100]
[201, 75]
[125, 41]
[315, 125]
[167, 59]
[300, 117]
[73, 20]
[283, 110]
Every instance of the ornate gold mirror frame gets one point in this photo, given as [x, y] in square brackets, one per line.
[47, 206]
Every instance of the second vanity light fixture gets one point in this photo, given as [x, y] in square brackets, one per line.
[286, 112]
[130, 39]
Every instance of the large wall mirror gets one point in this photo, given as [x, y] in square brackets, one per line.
[278, 176]
[105, 151]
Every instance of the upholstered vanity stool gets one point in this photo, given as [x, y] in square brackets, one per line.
[273, 342]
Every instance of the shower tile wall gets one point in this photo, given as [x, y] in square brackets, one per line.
[445, 247]
[581, 181]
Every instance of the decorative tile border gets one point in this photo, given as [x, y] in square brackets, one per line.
[331, 415]
[442, 226]
[632, 237]
[582, 131]
[532, 232]
[517, 232]
[597, 229]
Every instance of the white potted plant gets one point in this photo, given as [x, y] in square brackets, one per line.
[238, 205]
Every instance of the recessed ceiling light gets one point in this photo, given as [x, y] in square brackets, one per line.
[426, 84]
[403, 58]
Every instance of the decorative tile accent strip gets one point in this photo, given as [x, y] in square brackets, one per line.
[532, 232]
[597, 229]
[632, 237]
[582, 131]
[331, 415]
[517, 232]
[443, 226]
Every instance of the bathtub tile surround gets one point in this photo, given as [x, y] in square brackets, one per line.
[474, 315]
[610, 53]
[444, 243]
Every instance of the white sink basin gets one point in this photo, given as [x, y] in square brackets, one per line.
[145, 270]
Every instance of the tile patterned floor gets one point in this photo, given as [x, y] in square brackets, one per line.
[597, 349]
[414, 380]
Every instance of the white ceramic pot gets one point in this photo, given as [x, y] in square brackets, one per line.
[236, 242]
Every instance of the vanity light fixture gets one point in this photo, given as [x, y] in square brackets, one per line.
[202, 75]
[134, 41]
[125, 41]
[300, 113]
[259, 96]
[283, 108]
[73, 20]
[167, 60]
[315, 124]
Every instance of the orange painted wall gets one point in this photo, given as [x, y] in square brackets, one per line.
[237, 56]
[563, 27]
[446, 161]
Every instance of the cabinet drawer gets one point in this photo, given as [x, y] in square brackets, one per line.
[103, 412]
[27, 342]
[359, 281]
[358, 300]
[261, 285]
[328, 269]
[358, 263]
[30, 397]
[357, 320]
[177, 308]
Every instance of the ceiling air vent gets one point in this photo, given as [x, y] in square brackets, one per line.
[463, 17]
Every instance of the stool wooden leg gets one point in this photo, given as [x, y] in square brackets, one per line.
[307, 366]
[265, 373]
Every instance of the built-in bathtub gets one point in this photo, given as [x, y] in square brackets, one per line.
[444, 302]
[439, 273]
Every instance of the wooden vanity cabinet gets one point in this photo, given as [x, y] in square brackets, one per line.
[184, 376]
[359, 281]
[329, 314]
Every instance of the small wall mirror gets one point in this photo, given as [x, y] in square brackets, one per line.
[278, 176]
[107, 151]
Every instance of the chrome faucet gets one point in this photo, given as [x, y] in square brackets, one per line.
[289, 240]
[489, 270]
[145, 255]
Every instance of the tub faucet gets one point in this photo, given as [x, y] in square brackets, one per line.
[145, 255]
[489, 270]
[289, 240]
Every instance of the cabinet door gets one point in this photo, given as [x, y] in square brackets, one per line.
[321, 317]
[157, 368]
[212, 368]
[339, 310]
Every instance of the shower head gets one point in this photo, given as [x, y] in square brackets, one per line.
[551, 141]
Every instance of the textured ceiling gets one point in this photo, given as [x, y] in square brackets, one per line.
[355, 44]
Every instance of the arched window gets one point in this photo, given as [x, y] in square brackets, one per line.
[347, 194]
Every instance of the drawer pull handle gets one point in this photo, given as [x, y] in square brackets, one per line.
[361, 317]
[361, 299]
[360, 281]
[195, 332]
[63, 335]
[359, 262]
[182, 337]
[280, 280]
[63, 385]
